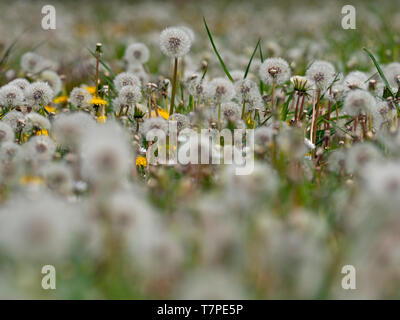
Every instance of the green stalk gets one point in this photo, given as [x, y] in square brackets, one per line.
[174, 81]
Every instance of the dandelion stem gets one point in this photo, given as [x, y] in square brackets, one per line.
[302, 107]
[316, 115]
[273, 96]
[219, 116]
[297, 107]
[243, 109]
[174, 82]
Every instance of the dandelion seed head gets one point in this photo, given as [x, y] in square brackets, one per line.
[126, 79]
[11, 96]
[6, 133]
[321, 74]
[38, 94]
[32, 62]
[80, 98]
[129, 95]
[274, 70]
[358, 102]
[41, 146]
[157, 123]
[53, 79]
[182, 120]
[230, 111]
[106, 155]
[175, 42]
[356, 80]
[21, 83]
[37, 122]
[70, 128]
[137, 53]
[220, 90]
[392, 71]
[15, 119]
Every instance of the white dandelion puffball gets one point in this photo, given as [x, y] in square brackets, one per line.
[70, 128]
[220, 90]
[38, 94]
[11, 96]
[32, 62]
[321, 73]
[157, 123]
[356, 80]
[6, 133]
[274, 70]
[53, 79]
[137, 53]
[20, 83]
[40, 148]
[129, 95]
[126, 79]
[358, 102]
[392, 72]
[106, 155]
[189, 32]
[174, 42]
[80, 97]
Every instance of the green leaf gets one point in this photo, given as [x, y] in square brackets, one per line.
[285, 109]
[216, 51]
[262, 60]
[251, 59]
[378, 67]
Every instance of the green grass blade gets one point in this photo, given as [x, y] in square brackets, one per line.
[251, 59]
[262, 60]
[216, 51]
[378, 67]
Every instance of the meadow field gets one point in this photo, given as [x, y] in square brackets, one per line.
[93, 93]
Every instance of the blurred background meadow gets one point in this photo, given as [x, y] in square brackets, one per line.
[76, 191]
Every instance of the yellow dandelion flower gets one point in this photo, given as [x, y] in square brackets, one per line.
[61, 99]
[141, 161]
[91, 90]
[30, 180]
[98, 101]
[161, 112]
[50, 109]
[101, 119]
[42, 132]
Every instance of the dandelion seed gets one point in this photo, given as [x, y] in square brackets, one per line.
[274, 71]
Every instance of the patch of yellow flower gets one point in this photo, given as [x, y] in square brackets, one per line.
[141, 161]
[28, 179]
[101, 119]
[98, 101]
[91, 89]
[50, 109]
[42, 132]
[61, 99]
[161, 112]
